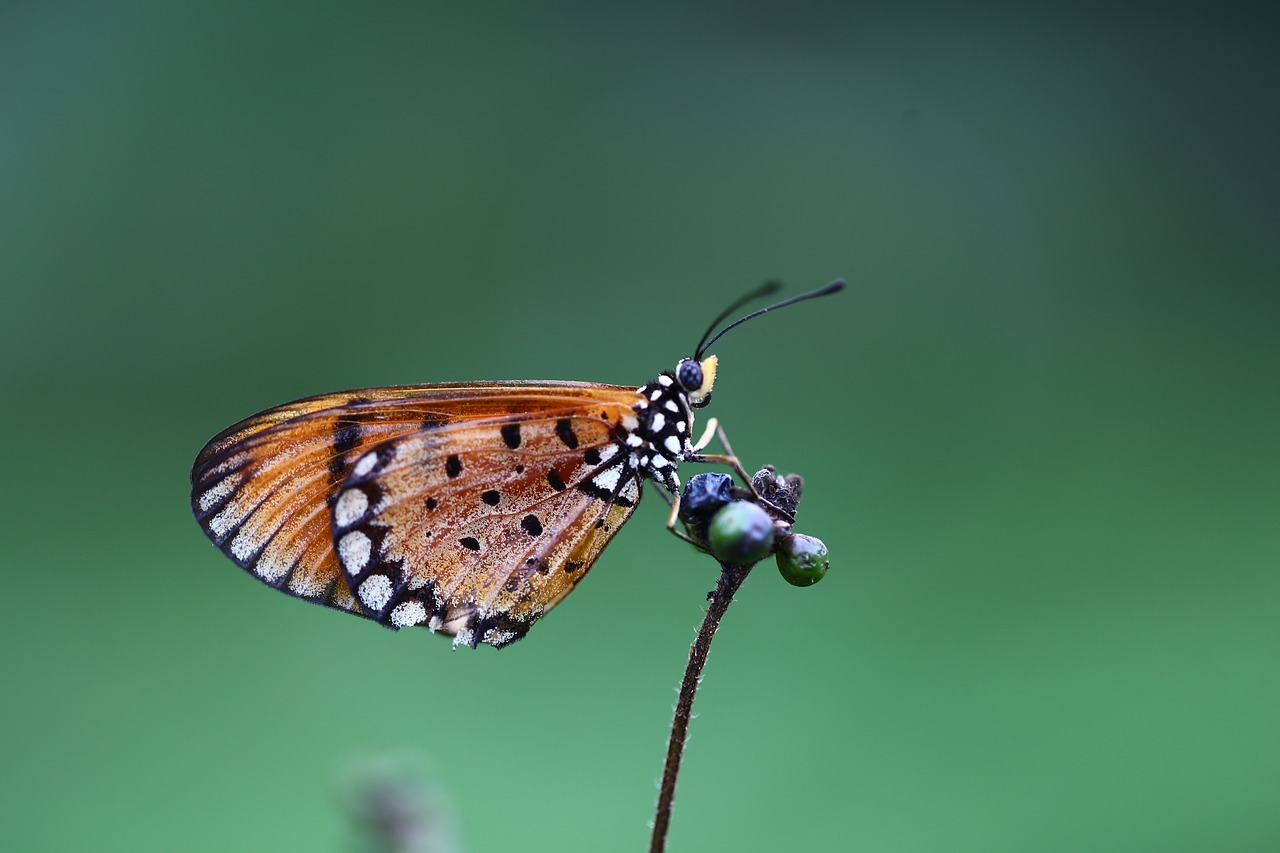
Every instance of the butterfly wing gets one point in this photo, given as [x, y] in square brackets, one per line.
[263, 490]
[478, 528]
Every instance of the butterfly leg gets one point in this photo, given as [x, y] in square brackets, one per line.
[728, 458]
[674, 501]
[713, 426]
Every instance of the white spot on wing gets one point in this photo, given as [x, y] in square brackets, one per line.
[243, 546]
[631, 490]
[407, 613]
[307, 586]
[680, 425]
[365, 465]
[607, 478]
[664, 379]
[656, 395]
[270, 570]
[634, 440]
[608, 452]
[672, 444]
[375, 592]
[659, 421]
[629, 422]
[211, 498]
[222, 523]
[350, 507]
[354, 550]
[671, 406]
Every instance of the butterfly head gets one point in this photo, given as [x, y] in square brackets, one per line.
[696, 379]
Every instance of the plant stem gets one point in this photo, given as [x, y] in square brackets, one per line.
[731, 577]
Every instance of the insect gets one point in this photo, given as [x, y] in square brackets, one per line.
[470, 508]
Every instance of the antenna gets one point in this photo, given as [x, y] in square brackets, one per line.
[772, 287]
[764, 290]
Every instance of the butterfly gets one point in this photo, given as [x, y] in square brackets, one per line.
[469, 508]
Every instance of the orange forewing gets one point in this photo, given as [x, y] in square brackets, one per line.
[262, 490]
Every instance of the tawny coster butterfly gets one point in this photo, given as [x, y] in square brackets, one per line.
[471, 508]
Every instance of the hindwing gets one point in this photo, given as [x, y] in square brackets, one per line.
[479, 528]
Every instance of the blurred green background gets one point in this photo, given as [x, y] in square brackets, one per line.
[1039, 430]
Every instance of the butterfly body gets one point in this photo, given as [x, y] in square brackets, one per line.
[472, 509]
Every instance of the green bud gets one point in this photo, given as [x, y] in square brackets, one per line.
[802, 560]
[741, 533]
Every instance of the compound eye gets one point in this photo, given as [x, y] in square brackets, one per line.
[689, 375]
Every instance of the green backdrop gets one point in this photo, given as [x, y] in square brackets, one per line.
[1039, 430]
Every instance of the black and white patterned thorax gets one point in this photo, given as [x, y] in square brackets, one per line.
[662, 437]
[651, 443]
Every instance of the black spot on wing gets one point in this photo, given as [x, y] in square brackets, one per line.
[470, 543]
[453, 466]
[511, 435]
[564, 429]
[346, 435]
[592, 456]
[531, 525]
[491, 497]
[555, 480]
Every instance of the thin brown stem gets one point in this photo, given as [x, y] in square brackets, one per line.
[731, 577]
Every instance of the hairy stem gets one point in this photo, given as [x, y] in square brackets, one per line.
[731, 577]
